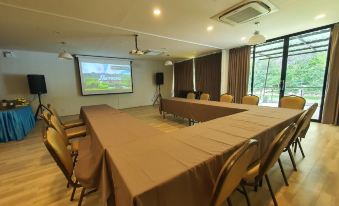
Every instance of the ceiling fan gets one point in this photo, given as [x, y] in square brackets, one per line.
[148, 52]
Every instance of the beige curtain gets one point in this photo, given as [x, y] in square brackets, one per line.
[331, 103]
[238, 71]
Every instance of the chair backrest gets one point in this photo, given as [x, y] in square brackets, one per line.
[53, 111]
[46, 116]
[233, 171]
[59, 152]
[252, 100]
[56, 124]
[298, 124]
[51, 121]
[306, 124]
[226, 98]
[205, 96]
[292, 102]
[190, 95]
[274, 151]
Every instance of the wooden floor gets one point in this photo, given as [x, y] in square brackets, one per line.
[28, 175]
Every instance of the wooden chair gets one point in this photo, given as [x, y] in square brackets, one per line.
[66, 124]
[73, 145]
[62, 157]
[226, 98]
[190, 95]
[205, 96]
[292, 102]
[70, 133]
[259, 170]
[232, 173]
[251, 100]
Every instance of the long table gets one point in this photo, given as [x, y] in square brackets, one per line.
[133, 163]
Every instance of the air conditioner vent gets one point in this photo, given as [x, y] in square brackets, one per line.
[245, 11]
[244, 15]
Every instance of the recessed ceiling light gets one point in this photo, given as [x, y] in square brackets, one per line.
[320, 16]
[156, 12]
[243, 38]
[209, 28]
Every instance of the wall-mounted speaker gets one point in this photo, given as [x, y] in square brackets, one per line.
[37, 84]
[159, 78]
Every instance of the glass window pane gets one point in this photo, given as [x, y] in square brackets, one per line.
[267, 72]
[307, 56]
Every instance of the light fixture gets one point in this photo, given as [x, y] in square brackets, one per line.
[243, 38]
[64, 54]
[257, 38]
[320, 16]
[156, 12]
[209, 28]
[168, 63]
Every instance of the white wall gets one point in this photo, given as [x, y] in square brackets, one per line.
[63, 85]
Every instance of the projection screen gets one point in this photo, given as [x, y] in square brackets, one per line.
[105, 75]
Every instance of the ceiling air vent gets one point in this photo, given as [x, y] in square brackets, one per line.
[245, 11]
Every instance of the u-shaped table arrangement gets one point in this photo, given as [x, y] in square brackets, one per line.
[132, 163]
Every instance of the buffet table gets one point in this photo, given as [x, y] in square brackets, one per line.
[132, 163]
[16, 123]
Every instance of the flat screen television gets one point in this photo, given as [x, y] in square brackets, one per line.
[105, 75]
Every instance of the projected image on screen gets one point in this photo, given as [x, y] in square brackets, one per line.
[105, 78]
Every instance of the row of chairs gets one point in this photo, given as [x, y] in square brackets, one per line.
[291, 102]
[238, 169]
[252, 100]
[62, 141]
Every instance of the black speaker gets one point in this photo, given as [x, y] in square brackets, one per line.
[159, 78]
[37, 84]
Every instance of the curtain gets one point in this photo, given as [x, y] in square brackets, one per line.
[331, 103]
[183, 78]
[238, 71]
[208, 75]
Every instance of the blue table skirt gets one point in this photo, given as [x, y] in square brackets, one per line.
[16, 123]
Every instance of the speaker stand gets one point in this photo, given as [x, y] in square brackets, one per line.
[158, 96]
[40, 107]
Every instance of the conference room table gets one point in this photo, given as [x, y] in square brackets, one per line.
[132, 163]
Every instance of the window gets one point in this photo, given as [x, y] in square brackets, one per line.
[291, 65]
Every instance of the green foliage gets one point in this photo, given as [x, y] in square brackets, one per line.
[304, 76]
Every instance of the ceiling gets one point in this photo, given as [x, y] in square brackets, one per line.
[106, 27]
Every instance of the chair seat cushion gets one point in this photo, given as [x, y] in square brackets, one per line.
[73, 123]
[252, 172]
[76, 132]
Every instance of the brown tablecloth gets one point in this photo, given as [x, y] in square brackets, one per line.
[135, 164]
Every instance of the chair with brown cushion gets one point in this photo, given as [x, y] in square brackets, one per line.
[66, 124]
[292, 102]
[52, 121]
[251, 100]
[232, 173]
[259, 170]
[226, 98]
[205, 96]
[62, 157]
[190, 95]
